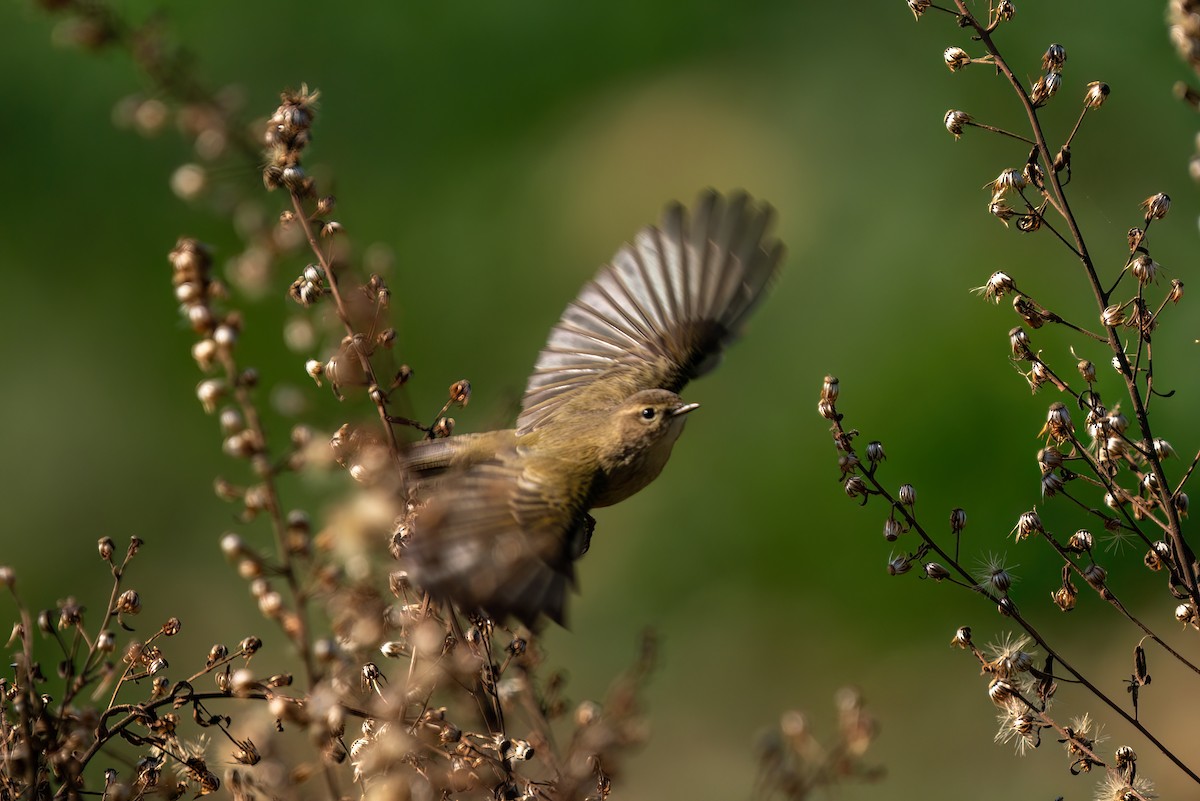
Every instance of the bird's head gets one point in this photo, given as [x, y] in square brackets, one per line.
[651, 417]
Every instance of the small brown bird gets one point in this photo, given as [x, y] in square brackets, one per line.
[506, 512]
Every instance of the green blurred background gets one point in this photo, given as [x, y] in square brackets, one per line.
[502, 151]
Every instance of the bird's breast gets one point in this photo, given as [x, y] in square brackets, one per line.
[625, 477]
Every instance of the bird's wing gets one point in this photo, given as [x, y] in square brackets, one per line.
[659, 314]
[499, 538]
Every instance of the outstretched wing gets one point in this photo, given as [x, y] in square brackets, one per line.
[659, 314]
[497, 538]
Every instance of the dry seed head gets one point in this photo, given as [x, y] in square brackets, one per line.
[1145, 269]
[1152, 560]
[1185, 613]
[956, 58]
[204, 352]
[955, 121]
[200, 318]
[1158, 555]
[1028, 523]
[995, 575]
[106, 546]
[1095, 575]
[1065, 596]
[961, 638]
[1050, 459]
[1087, 370]
[1002, 692]
[958, 520]
[129, 603]
[1081, 541]
[997, 286]
[209, 392]
[1018, 342]
[892, 529]
[875, 452]
[1134, 237]
[1054, 58]
[1062, 159]
[1033, 316]
[1058, 422]
[1097, 93]
[935, 571]
[999, 580]
[1009, 657]
[830, 389]
[1176, 293]
[1111, 317]
[907, 494]
[1156, 206]
[1009, 180]
[1005, 10]
[1045, 88]
[460, 392]
[918, 7]
[1180, 501]
[826, 409]
[1052, 484]
[1028, 223]
[898, 566]
[855, 487]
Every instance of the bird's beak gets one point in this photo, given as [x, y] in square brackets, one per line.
[679, 411]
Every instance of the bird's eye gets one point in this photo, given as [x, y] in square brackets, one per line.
[648, 413]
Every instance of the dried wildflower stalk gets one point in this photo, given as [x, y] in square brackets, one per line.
[393, 696]
[1111, 467]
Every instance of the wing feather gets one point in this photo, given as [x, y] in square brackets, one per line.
[497, 538]
[662, 310]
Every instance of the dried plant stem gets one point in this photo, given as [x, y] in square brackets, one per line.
[1183, 554]
[375, 391]
[1009, 609]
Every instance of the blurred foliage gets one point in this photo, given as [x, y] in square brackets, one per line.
[502, 152]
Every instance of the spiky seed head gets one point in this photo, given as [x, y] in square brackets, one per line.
[1144, 269]
[1112, 316]
[1156, 206]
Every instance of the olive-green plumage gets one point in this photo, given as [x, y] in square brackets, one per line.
[506, 512]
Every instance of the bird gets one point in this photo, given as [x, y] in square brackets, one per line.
[502, 516]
